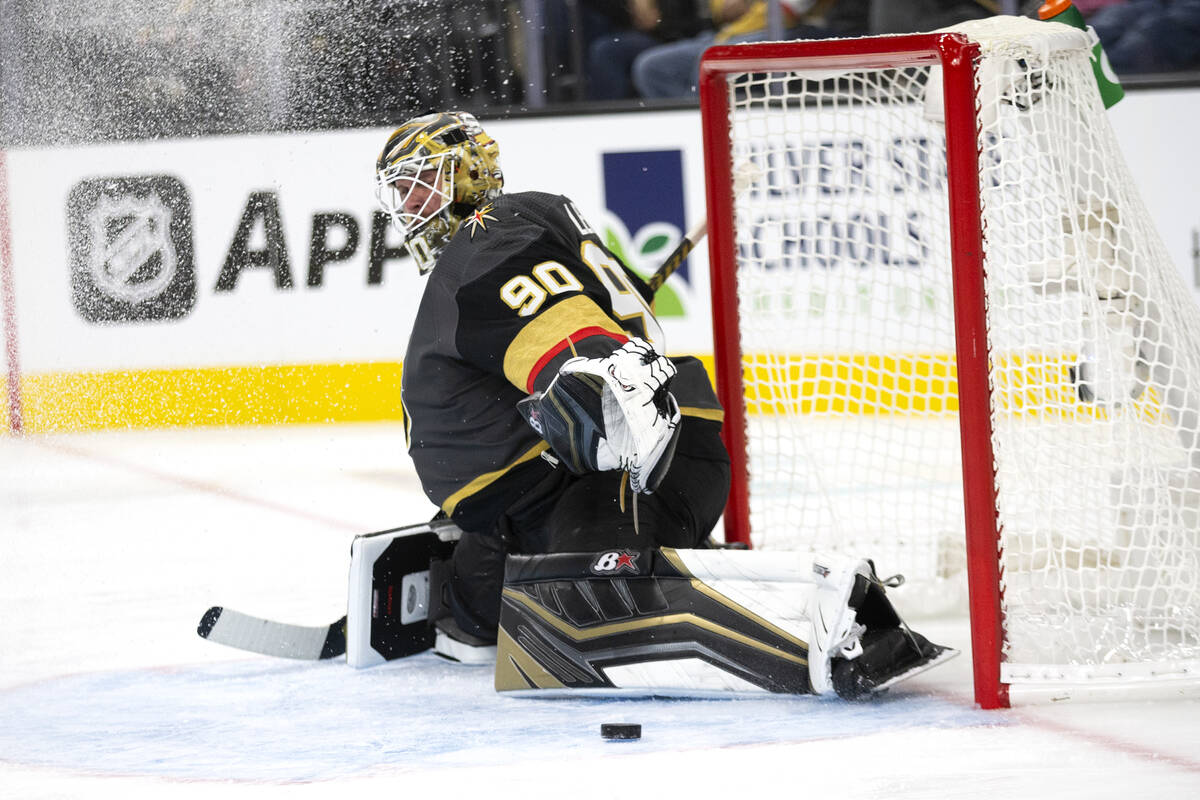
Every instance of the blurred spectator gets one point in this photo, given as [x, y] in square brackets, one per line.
[571, 26]
[649, 23]
[672, 70]
[920, 16]
[1149, 35]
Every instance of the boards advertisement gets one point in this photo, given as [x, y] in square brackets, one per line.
[253, 279]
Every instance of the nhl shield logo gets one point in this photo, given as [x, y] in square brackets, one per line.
[132, 256]
[131, 249]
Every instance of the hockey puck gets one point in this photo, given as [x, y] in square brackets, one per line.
[617, 731]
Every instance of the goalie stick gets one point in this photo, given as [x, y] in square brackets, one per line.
[388, 606]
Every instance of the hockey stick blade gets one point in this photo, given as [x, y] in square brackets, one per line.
[244, 632]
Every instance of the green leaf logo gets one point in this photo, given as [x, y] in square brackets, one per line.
[656, 243]
[644, 253]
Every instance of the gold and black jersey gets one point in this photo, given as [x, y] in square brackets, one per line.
[524, 285]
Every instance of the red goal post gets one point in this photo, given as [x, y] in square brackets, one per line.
[957, 57]
[1047, 592]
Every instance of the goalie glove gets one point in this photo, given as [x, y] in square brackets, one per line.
[610, 413]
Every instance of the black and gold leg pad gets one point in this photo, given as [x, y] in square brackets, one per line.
[648, 622]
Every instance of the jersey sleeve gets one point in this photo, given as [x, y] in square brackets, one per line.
[532, 313]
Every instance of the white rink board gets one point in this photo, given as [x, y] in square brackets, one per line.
[343, 319]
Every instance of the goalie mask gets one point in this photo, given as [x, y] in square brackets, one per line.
[433, 172]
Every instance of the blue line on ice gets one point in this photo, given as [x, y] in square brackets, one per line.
[266, 720]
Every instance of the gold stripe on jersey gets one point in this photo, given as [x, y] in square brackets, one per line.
[550, 329]
[487, 478]
[715, 414]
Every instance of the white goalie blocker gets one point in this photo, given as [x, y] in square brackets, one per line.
[391, 591]
[698, 622]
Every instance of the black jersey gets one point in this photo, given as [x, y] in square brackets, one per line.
[524, 285]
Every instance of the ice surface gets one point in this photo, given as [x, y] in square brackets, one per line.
[112, 545]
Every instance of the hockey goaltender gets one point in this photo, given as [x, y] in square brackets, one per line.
[585, 469]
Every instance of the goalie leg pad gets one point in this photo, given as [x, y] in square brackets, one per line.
[640, 622]
[701, 621]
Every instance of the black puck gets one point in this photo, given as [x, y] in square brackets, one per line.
[615, 730]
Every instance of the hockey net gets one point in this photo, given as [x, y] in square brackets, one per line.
[940, 291]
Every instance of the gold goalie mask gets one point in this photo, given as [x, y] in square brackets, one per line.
[434, 172]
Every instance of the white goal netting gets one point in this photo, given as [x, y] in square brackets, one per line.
[846, 320]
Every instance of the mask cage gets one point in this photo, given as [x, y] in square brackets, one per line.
[414, 174]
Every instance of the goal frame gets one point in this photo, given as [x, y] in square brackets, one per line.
[957, 56]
